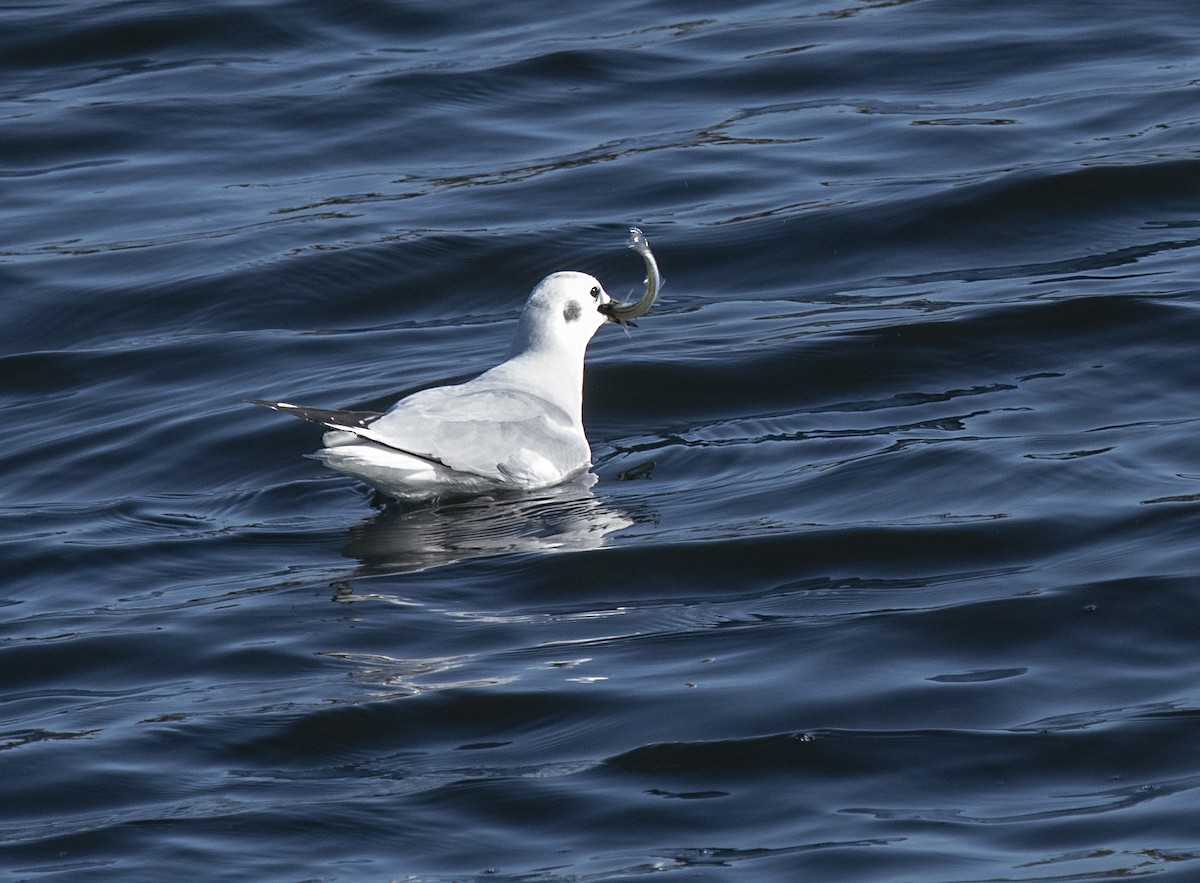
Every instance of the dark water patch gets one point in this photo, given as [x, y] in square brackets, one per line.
[1065, 761]
[973, 677]
[1180, 498]
[443, 717]
[114, 33]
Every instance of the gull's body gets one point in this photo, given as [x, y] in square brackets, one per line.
[517, 426]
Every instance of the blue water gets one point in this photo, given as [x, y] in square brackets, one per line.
[892, 567]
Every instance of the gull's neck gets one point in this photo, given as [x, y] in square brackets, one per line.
[556, 373]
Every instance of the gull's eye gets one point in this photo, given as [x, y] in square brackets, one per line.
[595, 291]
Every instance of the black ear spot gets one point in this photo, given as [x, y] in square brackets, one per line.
[571, 312]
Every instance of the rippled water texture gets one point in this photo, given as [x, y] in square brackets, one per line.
[891, 566]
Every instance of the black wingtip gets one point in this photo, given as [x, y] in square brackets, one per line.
[330, 419]
[274, 406]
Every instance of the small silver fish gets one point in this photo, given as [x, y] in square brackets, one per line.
[624, 313]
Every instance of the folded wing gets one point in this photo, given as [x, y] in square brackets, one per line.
[485, 430]
[492, 431]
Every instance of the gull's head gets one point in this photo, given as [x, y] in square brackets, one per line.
[562, 312]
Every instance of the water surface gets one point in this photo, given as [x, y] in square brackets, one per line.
[891, 568]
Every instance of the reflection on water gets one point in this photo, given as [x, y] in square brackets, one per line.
[566, 518]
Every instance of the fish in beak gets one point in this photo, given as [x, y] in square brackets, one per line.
[624, 314]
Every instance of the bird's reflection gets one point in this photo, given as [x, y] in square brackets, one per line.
[561, 519]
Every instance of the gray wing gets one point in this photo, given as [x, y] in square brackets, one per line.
[479, 427]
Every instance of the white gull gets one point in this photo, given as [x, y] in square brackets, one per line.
[517, 426]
